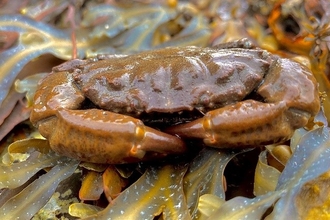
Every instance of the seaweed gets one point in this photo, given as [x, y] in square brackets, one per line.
[266, 176]
[159, 190]
[171, 190]
[23, 193]
[309, 161]
[28, 202]
[36, 38]
[205, 176]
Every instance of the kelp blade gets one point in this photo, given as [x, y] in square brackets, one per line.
[159, 190]
[16, 174]
[28, 202]
[205, 175]
[266, 177]
[310, 160]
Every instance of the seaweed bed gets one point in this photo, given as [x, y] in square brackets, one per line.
[287, 181]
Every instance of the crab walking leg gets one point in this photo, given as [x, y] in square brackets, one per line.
[104, 137]
[246, 123]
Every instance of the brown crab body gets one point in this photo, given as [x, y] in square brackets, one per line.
[215, 80]
[172, 79]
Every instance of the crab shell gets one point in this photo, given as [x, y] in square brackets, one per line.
[214, 80]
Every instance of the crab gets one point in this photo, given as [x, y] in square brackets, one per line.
[96, 110]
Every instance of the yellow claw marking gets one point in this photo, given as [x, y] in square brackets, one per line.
[207, 125]
[139, 135]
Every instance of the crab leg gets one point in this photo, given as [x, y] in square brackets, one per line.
[291, 96]
[104, 137]
[229, 127]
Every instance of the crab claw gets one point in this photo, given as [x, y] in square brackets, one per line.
[244, 124]
[104, 137]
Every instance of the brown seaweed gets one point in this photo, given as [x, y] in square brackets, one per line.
[158, 191]
[172, 190]
[309, 161]
[25, 204]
